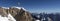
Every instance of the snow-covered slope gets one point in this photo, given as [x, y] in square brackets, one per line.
[9, 18]
[3, 18]
[37, 20]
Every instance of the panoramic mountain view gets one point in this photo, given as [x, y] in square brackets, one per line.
[29, 10]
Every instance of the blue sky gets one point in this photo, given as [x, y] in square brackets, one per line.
[38, 6]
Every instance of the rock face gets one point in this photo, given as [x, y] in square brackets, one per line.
[3, 12]
[4, 16]
[23, 16]
[18, 13]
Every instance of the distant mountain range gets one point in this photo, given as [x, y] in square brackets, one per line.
[46, 16]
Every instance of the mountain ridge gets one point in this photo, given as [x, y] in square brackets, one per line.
[17, 13]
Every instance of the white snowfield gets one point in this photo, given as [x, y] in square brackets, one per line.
[9, 18]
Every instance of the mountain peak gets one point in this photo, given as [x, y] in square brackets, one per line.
[19, 8]
[15, 13]
[14, 7]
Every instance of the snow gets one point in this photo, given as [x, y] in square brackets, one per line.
[24, 9]
[3, 18]
[5, 7]
[15, 7]
[38, 16]
[9, 18]
[19, 8]
[49, 19]
[43, 19]
[37, 20]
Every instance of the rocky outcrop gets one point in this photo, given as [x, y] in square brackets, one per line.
[20, 14]
[23, 16]
[3, 12]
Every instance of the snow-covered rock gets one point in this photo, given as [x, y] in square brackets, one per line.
[14, 7]
[5, 7]
[18, 13]
[37, 20]
[19, 8]
[9, 18]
